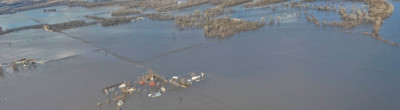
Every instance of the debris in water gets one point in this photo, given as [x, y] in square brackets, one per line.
[120, 103]
[175, 78]
[123, 85]
[24, 62]
[158, 94]
[189, 82]
[196, 78]
[162, 89]
[99, 104]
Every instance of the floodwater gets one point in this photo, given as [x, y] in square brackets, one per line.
[387, 30]
[37, 16]
[291, 66]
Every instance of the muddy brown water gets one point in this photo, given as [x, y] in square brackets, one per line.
[293, 66]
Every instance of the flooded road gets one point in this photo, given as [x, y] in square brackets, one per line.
[291, 66]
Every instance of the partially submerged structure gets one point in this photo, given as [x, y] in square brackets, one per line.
[17, 65]
[151, 84]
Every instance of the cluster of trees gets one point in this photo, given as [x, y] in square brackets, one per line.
[264, 2]
[188, 4]
[125, 11]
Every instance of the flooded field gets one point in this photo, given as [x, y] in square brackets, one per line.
[37, 16]
[290, 63]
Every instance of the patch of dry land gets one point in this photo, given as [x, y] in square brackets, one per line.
[125, 11]
[229, 3]
[188, 4]
[264, 2]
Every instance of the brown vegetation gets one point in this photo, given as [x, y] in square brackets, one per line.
[96, 4]
[225, 27]
[150, 3]
[344, 24]
[208, 20]
[69, 25]
[264, 2]
[188, 4]
[212, 12]
[20, 28]
[113, 20]
[198, 19]
[95, 18]
[124, 11]
[116, 21]
[366, 33]
[24, 63]
[378, 10]
[301, 5]
[159, 16]
[313, 19]
[229, 3]
[216, 27]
